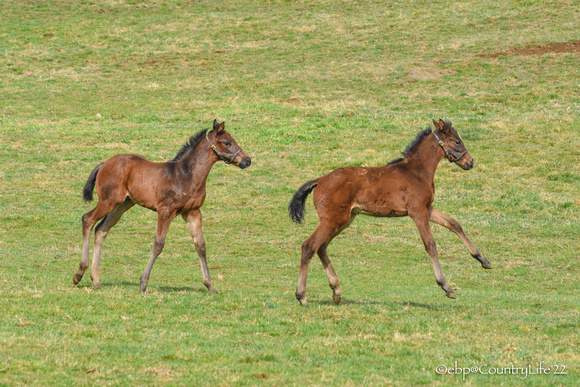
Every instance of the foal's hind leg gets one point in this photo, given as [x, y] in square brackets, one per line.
[330, 273]
[317, 242]
[309, 247]
[454, 226]
[101, 232]
[163, 221]
[193, 220]
[421, 219]
[89, 220]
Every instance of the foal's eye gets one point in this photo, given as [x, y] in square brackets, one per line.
[457, 142]
[227, 143]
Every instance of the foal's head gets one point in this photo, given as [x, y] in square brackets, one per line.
[227, 149]
[452, 144]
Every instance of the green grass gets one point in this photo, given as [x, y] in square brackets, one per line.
[304, 87]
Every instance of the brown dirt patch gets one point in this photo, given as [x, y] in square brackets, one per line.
[290, 100]
[550, 48]
[159, 372]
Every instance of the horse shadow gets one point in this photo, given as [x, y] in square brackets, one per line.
[171, 289]
[135, 284]
[385, 304]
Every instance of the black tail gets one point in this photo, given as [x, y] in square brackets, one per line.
[296, 206]
[90, 186]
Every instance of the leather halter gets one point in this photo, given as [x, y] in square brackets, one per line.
[227, 158]
[448, 152]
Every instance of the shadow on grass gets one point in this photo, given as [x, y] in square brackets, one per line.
[419, 305]
[107, 284]
[169, 289]
[386, 304]
[345, 302]
[349, 302]
[136, 284]
[124, 283]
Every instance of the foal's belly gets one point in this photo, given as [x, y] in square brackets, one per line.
[378, 208]
[380, 200]
[379, 212]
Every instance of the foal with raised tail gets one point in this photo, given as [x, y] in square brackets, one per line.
[172, 188]
[400, 188]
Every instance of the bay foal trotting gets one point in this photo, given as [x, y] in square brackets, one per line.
[172, 188]
[402, 187]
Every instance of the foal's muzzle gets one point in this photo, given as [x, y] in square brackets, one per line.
[466, 165]
[245, 163]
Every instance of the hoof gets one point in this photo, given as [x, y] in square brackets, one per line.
[77, 278]
[486, 265]
[451, 295]
[303, 302]
[97, 286]
[143, 281]
[210, 287]
[336, 299]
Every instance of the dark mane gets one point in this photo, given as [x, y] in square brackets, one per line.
[190, 144]
[413, 145]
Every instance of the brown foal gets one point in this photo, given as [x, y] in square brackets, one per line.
[172, 188]
[402, 187]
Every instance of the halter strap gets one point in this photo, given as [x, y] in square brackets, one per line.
[448, 152]
[227, 158]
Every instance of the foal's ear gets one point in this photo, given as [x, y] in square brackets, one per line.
[445, 126]
[441, 126]
[221, 127]
[215, 124]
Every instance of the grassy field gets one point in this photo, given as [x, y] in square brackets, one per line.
[304, 87]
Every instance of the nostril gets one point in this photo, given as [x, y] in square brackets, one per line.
[245, 163]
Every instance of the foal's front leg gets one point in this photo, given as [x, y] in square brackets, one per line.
[454, 226]
[193, 219]
[163, 222]
[421, 219]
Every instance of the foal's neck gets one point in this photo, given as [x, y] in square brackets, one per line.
[198, 161]
[426, 156]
